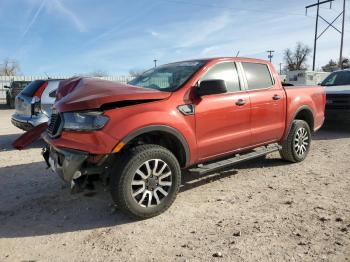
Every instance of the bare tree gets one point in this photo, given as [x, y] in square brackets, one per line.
[9, 67]
[330, 66]
[296, 60]
[346, 63]
[135, 72]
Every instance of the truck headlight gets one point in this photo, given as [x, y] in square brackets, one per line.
[84, 121]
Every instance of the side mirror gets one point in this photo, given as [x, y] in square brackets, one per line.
[211, 87]
[7, 87]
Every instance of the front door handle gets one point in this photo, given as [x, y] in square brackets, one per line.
[276, 97]
[240, 102]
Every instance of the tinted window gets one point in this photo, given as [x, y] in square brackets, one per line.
[258, 75]
[224, 71]
[337, 79]
[30, 89]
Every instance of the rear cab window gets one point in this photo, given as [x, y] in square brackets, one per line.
[258, 75]
[30, 89]
[226, 71]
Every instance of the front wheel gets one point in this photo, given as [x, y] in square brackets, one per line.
[297, 144]
[146, 181]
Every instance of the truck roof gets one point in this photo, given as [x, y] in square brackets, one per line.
[242, 59]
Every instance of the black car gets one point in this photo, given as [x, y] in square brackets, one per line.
[337, 86]
[13, 90]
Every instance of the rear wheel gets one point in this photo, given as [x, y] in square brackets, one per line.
[146, 181]
[11, 103]
[297, 144]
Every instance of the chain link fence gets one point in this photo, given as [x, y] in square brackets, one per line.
[6, 81]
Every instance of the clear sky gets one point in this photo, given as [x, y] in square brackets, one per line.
[80, 36]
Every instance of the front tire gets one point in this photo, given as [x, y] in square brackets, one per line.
[145, 181]
[296, 146]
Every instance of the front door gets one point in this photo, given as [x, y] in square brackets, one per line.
[223, 120]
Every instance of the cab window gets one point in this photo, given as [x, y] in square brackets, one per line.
[258, 75]
[226, 71]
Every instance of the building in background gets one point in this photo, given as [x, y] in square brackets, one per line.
[304, 77]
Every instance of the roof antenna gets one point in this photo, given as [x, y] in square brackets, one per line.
[237, 53]
[48, 77]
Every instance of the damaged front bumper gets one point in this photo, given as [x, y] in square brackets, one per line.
[67, 163]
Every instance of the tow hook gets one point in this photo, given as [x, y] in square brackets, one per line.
[45, 152]
[80, 184]
[77, 185]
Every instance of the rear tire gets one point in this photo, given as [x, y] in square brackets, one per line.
[146, 180]
[11, 104]
[297, 144]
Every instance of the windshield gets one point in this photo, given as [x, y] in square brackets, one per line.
[337, 79]
[168, 77]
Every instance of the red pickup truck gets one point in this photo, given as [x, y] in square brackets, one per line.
[200, 115]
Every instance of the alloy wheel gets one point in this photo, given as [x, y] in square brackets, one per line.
[151, 183]
[301, 141]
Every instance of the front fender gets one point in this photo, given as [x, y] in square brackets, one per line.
[127, 123]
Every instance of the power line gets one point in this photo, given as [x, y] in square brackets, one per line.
[330, 24]
[232, 8]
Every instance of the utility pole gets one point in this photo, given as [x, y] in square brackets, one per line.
[330, 24]
[270, 54]
[342, 38]
[155, 62]
[315, 39]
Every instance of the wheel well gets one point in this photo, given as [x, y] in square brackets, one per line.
[164, 139]
[307, 116]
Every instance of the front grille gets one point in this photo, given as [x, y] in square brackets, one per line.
[54, 128]
[338, 107]
[338, 102]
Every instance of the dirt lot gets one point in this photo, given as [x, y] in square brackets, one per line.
[260, 211]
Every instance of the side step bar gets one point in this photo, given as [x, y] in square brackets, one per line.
[214, 166]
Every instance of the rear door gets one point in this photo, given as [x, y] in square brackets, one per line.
[223, 120]
[268, 103]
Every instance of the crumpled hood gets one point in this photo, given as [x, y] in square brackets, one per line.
[79, 94]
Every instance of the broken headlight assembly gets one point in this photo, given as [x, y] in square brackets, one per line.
[84, 121]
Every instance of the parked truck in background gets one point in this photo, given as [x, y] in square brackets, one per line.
[13, 90]
[337, 86]
[199, 115]
[33, 104]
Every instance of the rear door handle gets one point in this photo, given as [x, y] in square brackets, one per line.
[240, 102]
[276, 97]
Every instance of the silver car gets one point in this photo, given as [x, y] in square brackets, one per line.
[33, 104]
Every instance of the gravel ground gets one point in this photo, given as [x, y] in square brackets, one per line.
[263, 210]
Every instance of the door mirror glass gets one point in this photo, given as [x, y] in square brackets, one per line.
[211, 87]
